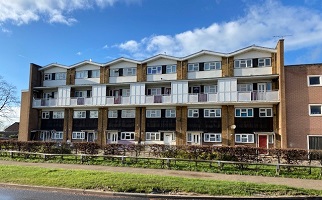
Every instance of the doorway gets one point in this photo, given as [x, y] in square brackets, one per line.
[263, 143]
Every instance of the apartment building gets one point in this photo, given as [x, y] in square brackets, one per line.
[206, 98]
[304, 105]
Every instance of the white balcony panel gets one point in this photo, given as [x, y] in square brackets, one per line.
[205, 74]
[125, 100]
[244, 96]
[64, 96]
[109, 100]
[212, 97]
[122, 79]
[272, 96]
[149, 99]
[166, 99]
[99, 94]
[87, 81]
[193, 98]
[179, 92]
[253, 71]
[52, 83]
[137, 93]
[88, 101]
[161, 77]
[36, 103]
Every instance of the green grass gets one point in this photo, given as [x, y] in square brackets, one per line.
[126, 182]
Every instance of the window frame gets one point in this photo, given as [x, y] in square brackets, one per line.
[314, 76]
[208, 89]
[60, 76]
[152, 136]
[76, 135]
[114, 72]
[112, 113]
[126, 134]
[54, 135]
[212, 135]
[193, 67]
[192, 112]
[243, 63]
[310, 110]
[45, 115]
[171, 69]
[247, 112]
[47, 77]
[129, 71]
[128, 114]
[151, 70]
[153, 113]
[212, 111]
[93, 114]
[245, 136]
[170, 113]
[265, 112]
[95, 73]
[214, 65]
[81, 74]
[58, 114]
[154, 91]
[79, 114]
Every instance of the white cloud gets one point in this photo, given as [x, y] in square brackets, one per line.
[10, 119]
[79, 53]
[258, 26]
[52, 11]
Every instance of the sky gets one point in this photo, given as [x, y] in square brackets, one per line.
[71, 31]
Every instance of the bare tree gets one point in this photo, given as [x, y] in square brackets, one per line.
[8, 99]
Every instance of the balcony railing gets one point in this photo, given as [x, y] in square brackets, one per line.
[258, 96]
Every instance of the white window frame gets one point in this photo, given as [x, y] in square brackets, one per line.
[45, 115]
[262, 62]
[152, 136]
[210, 89]
[315, 114]
[314, 76]
[93, 114]
[265, 112]
[244, 63]
[245, 87]
[154, 70]
[47, 77]
[81, 74]
[78, 135]
[114, 72]
[153, 113]
[193, 67]
[154, 91]
[244, 138]
[60, 76]
[212, 113]
[170, 113]
[193, 113]
[244, 111]
[129, 71]
[112, 113]
[58, 135]
[80, 93]
[126, 92]
[209, 136]
[58, 115]
[128, 114]
[209, 66]
[95, 73]
[79, 114]
[127, 135]
[271, 139]
[171, 69]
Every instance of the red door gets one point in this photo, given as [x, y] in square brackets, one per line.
[262, 143]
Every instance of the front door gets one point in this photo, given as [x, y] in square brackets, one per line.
[195, 138]
[112, 137]
[167, 139]
[263, 143]
[261, 87]
[90, 137]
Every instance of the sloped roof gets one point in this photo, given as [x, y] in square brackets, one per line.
[13, 127]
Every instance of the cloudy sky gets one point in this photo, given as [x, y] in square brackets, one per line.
[70, 31]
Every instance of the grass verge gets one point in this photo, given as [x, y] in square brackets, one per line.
[126, 182]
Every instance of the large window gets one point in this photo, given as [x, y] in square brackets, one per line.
[193, 113]
[315, 80]
[154, 91]
[212, 137]
[128, 113]
[315, 110]
[93, 114]
[315, 142]
[112, 114]
[61, 76]
[170, 69]
[265, 112]
[78, 135]
[212, 113]
[114, 72]
[81, 74]
[130, 71]
[152, 136]
[154, 70]
[79, 114]
[153, 113]
[127, 135]
[245, 87]
[57, 135]
[58, 115]
[244, 138]
[193, 67]
[243, 112]
[243, 63]
[170, 113]
[264, 62]
[47, 77]
[95, 74]
[45, 114]
[212, 66]
[210, 89]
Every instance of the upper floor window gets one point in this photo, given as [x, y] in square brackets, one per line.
[265, 112]
[130, 71]
[80, 93]
[154, 70]
[192, 67]
[112, 114]
[55, 76]
[61, 76]
[153, 113]
[210, 89]
[81, 74]
[87, 74]
[193, 113]
[243, 112]
[264, 62]
[243, 63]
[212, 113]
[114, 72]
[246, 87]
[212, 66]
[45, 114]
[315, 80]
[80, 114]
[171, 69]
[94, 74]
[93, 114]
[154, 91]
[58, 115]
[126, 92]
[170, 113]
[128, 113]
[47, 77]
[244, 138]
[316, 110]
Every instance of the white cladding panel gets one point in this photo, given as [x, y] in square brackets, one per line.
[204, 58]
[253, 71]
[179, 92]
[161, 77]
[87, 81]
[99, 94]
[123, 64]
[162, 61]
[227, 90]
[55, 70]
[52, 83]
[137, 93]
[205, 74]
[253, 54]
[63, 96]
[122, 79]
[87, 67]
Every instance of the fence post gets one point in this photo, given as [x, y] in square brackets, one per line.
[168, 163]
[278, 169]
[122, 158]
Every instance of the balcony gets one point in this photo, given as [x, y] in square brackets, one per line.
[258, 96]
[44, 102]
[150, 99]
[111, 100]
[79, 101]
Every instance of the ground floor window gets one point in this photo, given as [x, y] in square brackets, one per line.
[152, 136]
[78, 135]
[127, 135]
[244, 138]
[212, 137]
[57, 135]
[315, 142]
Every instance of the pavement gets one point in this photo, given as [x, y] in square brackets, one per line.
[292, 182]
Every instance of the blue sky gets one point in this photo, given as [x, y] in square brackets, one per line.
[70, 31]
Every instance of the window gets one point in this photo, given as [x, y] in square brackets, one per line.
[171, 69]
[265, 112]
[126, 92]
[93, 114]
[270, 139]
[129, 71]
[45, 115]
[243, 112]
[212, 113]
[170, 113]
[81, 74]
[243, 63]
[315, 110]
[127, 135]
[153, 113]
[154, 91]
[112, 114]
[193, 67]
[79, 114]
[315, 142]
[95, 73]
[78, 135]
[58, 115]
[212, 66]
[315, 80]
[212, 137]
[193, 113]
[246, 87]
[80, 93]
[60, 76]
[244, 138]
[114, 72]
[152, 136]
[210, 89]
[47, 77]
[128, 113]
[154, 70]
[57, 135]
[264, 62]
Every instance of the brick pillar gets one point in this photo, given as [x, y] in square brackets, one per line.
[227, 66]
[70, 78]
[68, 124]
[140, 122]
[227, 120]
[181, 124]
[277, 142]
[182, 70]
[104, 74]
[102, 126]
[141, 72]
[273, 63]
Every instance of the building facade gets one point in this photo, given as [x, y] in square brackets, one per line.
[304, 106]
[206, 98]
